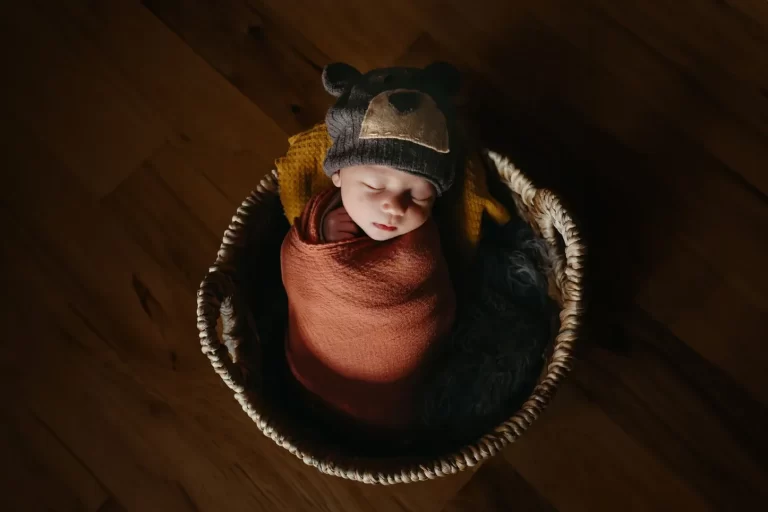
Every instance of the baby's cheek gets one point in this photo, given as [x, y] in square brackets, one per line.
[418, 217]
[423, 213]
[359, 213]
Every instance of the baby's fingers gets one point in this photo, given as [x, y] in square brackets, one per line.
[343, 235]
[335, 222]
[340, 214]
[345, 225]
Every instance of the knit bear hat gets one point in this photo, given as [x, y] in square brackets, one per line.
[401, 117]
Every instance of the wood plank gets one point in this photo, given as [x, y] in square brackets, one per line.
[710, 43]
[345, 30]
[495, 487]
[725, 115]
[687, 411]
[24, 475]
[721, 109]
[62, 86]
[44, 446]
[164, 227]
[190, 173]
[752, 12]
[620, 105]
[89, 246]
[278, 71]
[142, 430]
[202, 109]
[580, 459]
[40, 470]
[709, 312]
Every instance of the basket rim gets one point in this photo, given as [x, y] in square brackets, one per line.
[543, 207]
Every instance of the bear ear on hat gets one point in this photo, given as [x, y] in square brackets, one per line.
[337, 76]
[445, 76]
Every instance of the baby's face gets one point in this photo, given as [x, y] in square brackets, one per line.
[383, 201]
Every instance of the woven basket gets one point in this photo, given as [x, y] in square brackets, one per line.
[236, 354]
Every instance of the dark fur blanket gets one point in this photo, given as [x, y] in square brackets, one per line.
[492, 360]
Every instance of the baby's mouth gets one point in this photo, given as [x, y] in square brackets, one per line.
[384, 227]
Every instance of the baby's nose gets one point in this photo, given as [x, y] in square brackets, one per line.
[394, 204]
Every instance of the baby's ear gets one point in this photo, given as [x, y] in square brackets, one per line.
[337, 76]
[336, 179]
[445, 76]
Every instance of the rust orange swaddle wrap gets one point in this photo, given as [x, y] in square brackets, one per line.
[363, 314]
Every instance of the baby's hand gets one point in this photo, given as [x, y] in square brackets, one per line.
[339, 225]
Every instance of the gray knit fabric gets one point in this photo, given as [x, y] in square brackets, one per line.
[355, 92]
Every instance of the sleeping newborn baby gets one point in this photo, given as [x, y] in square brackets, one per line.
[369, 292]
[379, 200]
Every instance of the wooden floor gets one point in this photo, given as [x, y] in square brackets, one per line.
[131, 130]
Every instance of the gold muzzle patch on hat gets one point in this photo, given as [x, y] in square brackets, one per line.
[406, 114]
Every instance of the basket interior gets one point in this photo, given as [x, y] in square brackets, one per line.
[327, 437]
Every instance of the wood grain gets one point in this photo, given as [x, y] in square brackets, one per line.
[495, 487]
[29, 474]
[676, 73]
[73, 99]
[132, 130]
[381, 32]
[277, 71]
[605, 468]
[681, 407]
[53, 466]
